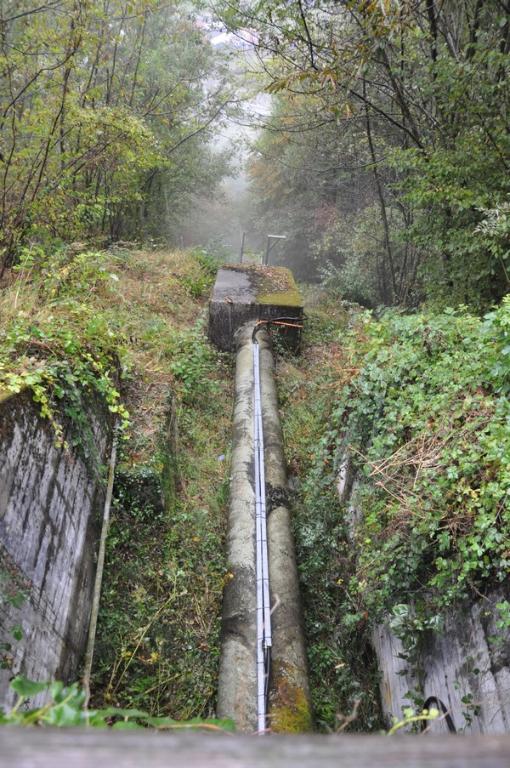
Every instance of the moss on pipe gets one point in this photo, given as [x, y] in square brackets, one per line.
[290, 710]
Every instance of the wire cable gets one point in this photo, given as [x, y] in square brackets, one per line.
[264, 631]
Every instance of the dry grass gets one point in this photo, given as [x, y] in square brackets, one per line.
[400, 474]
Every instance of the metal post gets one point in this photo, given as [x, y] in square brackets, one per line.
[270, 245]
[242, 248]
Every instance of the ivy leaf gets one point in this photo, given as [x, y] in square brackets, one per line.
[27, 688]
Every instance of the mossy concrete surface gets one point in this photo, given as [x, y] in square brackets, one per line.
[289, 699]
[245, 292]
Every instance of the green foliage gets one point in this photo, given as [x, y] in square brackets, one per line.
[14, 590]
[95, 134]
[422, 407]
[66, 708]
[427, 424]
[201, 280]
[69, 351]
[209, 262]
[91, 317]
[158, 635]
[343, 671]
[460, 225]
[503, 622]
[386, 114]
[413, 718]
[495, 231]
[159, 625]
[193, 363]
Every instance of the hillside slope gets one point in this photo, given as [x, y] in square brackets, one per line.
[128, 325]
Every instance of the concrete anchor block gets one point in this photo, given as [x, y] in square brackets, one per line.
[247, 292]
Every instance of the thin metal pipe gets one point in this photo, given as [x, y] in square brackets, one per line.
[261, 701]
[91, 637]
[264, 637]
[263, 518]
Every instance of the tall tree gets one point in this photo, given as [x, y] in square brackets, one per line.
[98, 99]
[427, 85]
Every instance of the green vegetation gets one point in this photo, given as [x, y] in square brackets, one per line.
[54, 342]
[384, 161]
[420, 404]
[424, 415]
[426, 422]
[126, 327]
[385, 158]
[66, 708]
[158, 632]
[105, 121]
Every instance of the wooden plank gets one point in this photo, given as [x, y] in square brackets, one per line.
[59, 748]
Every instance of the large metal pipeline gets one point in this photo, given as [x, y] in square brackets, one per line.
[288, 696]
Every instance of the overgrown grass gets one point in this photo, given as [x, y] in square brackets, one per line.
[158, 640]
[130, 326]
[158, 634]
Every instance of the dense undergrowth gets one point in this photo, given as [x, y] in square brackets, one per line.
[54, 341]
[158, 642]
[427, 423]
[127, 325]
[420, 403]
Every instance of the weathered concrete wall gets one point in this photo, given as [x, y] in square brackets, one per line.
[50, 511]
[462, 666]
[467, 665]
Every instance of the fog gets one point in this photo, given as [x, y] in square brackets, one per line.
[219, 220]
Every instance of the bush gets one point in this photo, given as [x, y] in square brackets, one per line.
[427, 422]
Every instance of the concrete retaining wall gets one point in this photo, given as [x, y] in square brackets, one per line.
[248, 292]
[466, 665]
[462, 665]
[51, 502]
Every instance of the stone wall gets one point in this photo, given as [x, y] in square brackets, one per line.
[466, 665]
[51, 502]
[463, 665]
